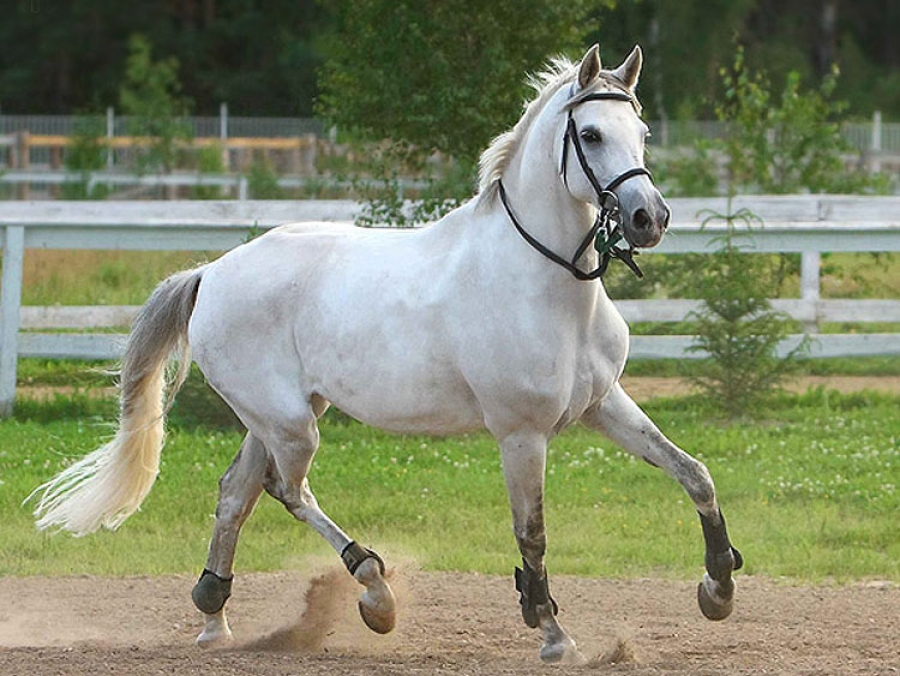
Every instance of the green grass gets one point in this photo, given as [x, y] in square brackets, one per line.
[810, 493]
[61, 277]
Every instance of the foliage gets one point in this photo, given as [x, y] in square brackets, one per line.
[791, 144]
[453, 83]
[736, 325]
[812, 495]
[151, 95]
[86, 153]
[262, 58]
[209, 161]
[788, 147]
[385, 201]
[263, 181]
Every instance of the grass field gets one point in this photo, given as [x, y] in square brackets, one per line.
[810, 493]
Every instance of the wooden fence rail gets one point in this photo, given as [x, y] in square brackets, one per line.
[809, 225]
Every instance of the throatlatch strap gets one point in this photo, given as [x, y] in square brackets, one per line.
[535, 591]
[354, 554]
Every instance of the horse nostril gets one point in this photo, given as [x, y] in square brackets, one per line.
[666, 217]
[641, 220]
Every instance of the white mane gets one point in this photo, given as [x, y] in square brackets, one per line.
[496, 158]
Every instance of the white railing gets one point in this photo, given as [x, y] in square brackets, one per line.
[809, 225]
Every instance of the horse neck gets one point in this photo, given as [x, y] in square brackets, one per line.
[545, 208]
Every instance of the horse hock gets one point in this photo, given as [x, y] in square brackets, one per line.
[377, 605]
[715, 594]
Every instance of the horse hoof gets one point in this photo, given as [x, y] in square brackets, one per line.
[379, 622]
[377, 605]
[216, 631]
[562, 652]
[712, 605]
[216, 637]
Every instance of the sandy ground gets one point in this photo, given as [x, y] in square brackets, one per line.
[295, 623]
[644, 388]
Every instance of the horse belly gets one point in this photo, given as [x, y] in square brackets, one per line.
[387, 359]
[411, 390]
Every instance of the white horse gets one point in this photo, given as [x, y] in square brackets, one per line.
[479, 321]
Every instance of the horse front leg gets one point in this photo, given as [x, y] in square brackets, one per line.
[619, 418]
[524, 462]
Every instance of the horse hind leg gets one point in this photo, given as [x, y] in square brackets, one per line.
[293, 457]
[239, 491]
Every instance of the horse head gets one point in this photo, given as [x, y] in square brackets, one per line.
[607, 135]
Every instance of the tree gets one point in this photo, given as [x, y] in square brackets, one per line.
[775, 144]
[86, 154]
[151, 95]
[436, 77]
[736, 325]
[786, 146]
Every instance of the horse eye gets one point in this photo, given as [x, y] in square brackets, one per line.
[591, 136]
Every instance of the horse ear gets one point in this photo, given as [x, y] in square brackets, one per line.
[630, 70]
[590, 67]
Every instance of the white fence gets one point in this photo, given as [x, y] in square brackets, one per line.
[809, 225]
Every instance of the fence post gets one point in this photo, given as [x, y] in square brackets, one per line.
[23, 161]
[810, 268]
[875, 163]
[10, 303]
[110, 133]
[223, 135]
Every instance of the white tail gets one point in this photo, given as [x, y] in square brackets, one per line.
[105, 487]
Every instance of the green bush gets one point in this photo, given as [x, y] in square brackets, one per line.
[209, 161]
[263, 181]
[737, 326]
[86, 153]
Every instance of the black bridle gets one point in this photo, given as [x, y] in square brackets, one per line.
[606, 231]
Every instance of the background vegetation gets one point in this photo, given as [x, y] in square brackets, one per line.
[263, 57]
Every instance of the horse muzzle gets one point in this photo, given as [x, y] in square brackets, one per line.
[645, 226]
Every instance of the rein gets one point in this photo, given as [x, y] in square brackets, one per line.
[606, 230]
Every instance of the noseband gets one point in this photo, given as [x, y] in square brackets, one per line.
[606, 231]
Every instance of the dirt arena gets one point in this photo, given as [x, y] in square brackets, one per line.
[294, 623]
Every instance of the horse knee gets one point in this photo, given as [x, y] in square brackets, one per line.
[232, 512]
